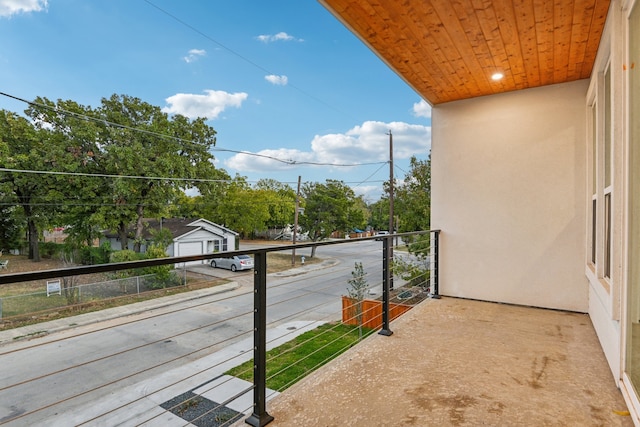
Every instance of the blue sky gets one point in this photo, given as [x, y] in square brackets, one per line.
[283, 78]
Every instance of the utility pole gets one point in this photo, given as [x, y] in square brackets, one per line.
[295, 223]
[391, 230]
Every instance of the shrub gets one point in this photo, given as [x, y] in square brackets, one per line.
[162, 273]
[124, 256]
[50, 249]
[90, 255]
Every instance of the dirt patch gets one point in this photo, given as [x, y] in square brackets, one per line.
[25, 303]
[22, 264]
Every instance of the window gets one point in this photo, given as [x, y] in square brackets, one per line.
[594, 229]
[601, 177]
[607, 236]
[608, 173]
[594, 194]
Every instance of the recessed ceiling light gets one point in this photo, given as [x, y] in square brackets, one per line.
[497, 76]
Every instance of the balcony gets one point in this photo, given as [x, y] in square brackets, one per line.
[461, 362]
[447, 361]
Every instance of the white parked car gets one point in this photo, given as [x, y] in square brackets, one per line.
[233, 263]
[381, 235]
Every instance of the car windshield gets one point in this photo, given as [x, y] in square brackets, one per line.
[244, 257]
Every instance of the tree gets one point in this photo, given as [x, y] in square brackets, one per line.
[412, 204]
[27, 148]
[160, 148]
[357, 291]
[242, 208]
[281, 201]
[70, 290]
[329, 207]
[379, 214]
[135, 141]
[76, 152]
[359, 214]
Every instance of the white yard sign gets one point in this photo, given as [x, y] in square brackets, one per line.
[53, 287]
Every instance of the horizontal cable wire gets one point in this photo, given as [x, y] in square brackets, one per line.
[195, 396]
[306, 292]
[66, 399]
[293, 348]
[93, 331]
[202, 371]
[279, 337]
[275, 339]
[310, 339]
[119, 353]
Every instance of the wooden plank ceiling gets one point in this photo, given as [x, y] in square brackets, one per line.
[448, 49]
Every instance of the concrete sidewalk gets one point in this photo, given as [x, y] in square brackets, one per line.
[141, 404]
[57, 325]
[45, 328]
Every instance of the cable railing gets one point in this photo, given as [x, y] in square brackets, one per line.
[175, 365]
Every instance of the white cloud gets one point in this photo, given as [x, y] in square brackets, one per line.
[209, 105]
[422, 109]
[193, 55]
[13, 7]
[281, 36]
[366, 143]
[277, 80]
[369, 193]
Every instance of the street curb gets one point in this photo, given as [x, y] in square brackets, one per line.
[307, 268]
[45, 328]
[41, 329]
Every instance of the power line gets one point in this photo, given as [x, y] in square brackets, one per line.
[160, 178]
[175, 138]
[244, 58]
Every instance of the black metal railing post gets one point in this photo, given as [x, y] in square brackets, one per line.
[259, 417]
[386, 281]
[435, 265]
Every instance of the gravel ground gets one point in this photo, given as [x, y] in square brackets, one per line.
[201, 411]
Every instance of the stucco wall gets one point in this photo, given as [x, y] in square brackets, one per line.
[508, 193]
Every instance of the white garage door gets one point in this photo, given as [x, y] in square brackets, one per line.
[190, 248]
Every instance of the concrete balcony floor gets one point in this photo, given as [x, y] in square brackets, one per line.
[455, 362]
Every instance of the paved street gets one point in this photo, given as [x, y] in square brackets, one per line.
[83, 365]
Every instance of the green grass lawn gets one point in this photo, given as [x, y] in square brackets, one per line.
[304, 354]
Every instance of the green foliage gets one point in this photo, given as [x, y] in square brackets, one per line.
[51, 249]
[415, 270]
[11, 227]
[161, 238]
[163, 276]
[358, 285]
[241, 208]
[281, 201]
[379, 214]
[125, 255]
[162, 273]
[27, 147]
[91, 255]
[55, 141]
[329, 207]
[412, 202]
[359, 213]
[357, 290]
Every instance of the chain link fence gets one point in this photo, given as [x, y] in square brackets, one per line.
[63, 293]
